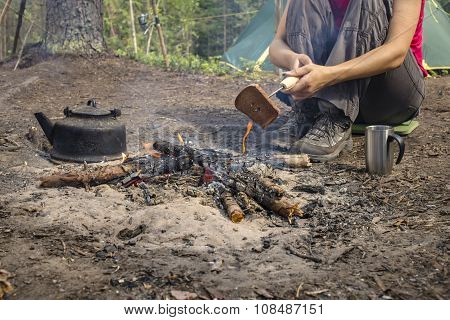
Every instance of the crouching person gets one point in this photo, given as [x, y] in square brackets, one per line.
[356, 60]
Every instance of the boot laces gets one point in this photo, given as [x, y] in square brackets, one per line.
[326, 126]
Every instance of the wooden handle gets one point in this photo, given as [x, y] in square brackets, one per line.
[289, 83]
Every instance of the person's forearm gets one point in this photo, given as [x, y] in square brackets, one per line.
[281, 55]
[377, 61]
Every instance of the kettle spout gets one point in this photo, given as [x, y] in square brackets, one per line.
[46, 125]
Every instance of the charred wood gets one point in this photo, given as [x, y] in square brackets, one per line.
[232, 208]
[98, 176]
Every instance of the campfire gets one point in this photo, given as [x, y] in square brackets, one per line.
[232, 181]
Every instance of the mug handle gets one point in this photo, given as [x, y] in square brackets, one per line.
[401, 144]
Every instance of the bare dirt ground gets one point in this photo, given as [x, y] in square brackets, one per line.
[376, 238]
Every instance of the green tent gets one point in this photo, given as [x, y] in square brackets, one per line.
[253, 44]
[436, 46]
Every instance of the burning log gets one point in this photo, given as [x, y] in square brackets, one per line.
[271, 187]
[248, 203]
[232, 208]
[175, 150]
[96, 177]
[204, 157]
[269, 195]
[283, 207]
[243, 180]
[268, 200]
[143, 168]
[163, 165]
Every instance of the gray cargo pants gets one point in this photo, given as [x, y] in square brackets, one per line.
[389, 98]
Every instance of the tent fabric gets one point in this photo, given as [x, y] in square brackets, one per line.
[255, 39]
[436, 47]
[253, 43]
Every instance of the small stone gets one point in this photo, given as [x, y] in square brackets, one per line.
[266, 243]
[257, 250]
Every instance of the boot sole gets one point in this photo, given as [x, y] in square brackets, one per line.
[347, 145]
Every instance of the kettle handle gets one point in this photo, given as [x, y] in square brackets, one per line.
[92, 103]
[401, 144]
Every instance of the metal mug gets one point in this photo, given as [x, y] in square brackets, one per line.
[379, 149]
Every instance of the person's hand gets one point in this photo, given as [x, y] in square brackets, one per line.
[312, 79]
[299, 60]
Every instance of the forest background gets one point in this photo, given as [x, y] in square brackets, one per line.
[196, 32]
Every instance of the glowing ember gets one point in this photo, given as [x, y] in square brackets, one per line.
[247, 133]
[208, 176]
[148, 149]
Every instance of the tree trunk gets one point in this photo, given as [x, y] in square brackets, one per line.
[23, 4]
[133, 28]
[5, 10]
[2, 32]
[74, 27]
[3, 36]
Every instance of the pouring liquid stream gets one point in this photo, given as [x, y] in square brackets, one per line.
[247, 133]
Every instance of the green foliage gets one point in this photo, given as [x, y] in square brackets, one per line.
[195, 64]
[188, 63]
[438, 72]
[195, 31]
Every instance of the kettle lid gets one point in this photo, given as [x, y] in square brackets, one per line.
[90, 111]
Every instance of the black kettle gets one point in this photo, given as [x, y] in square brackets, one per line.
[86, 134]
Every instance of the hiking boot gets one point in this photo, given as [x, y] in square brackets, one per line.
[329, 135]
[291, 126]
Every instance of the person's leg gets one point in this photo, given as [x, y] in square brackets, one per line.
[364, 28]
[393, 97]
[309, 30]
